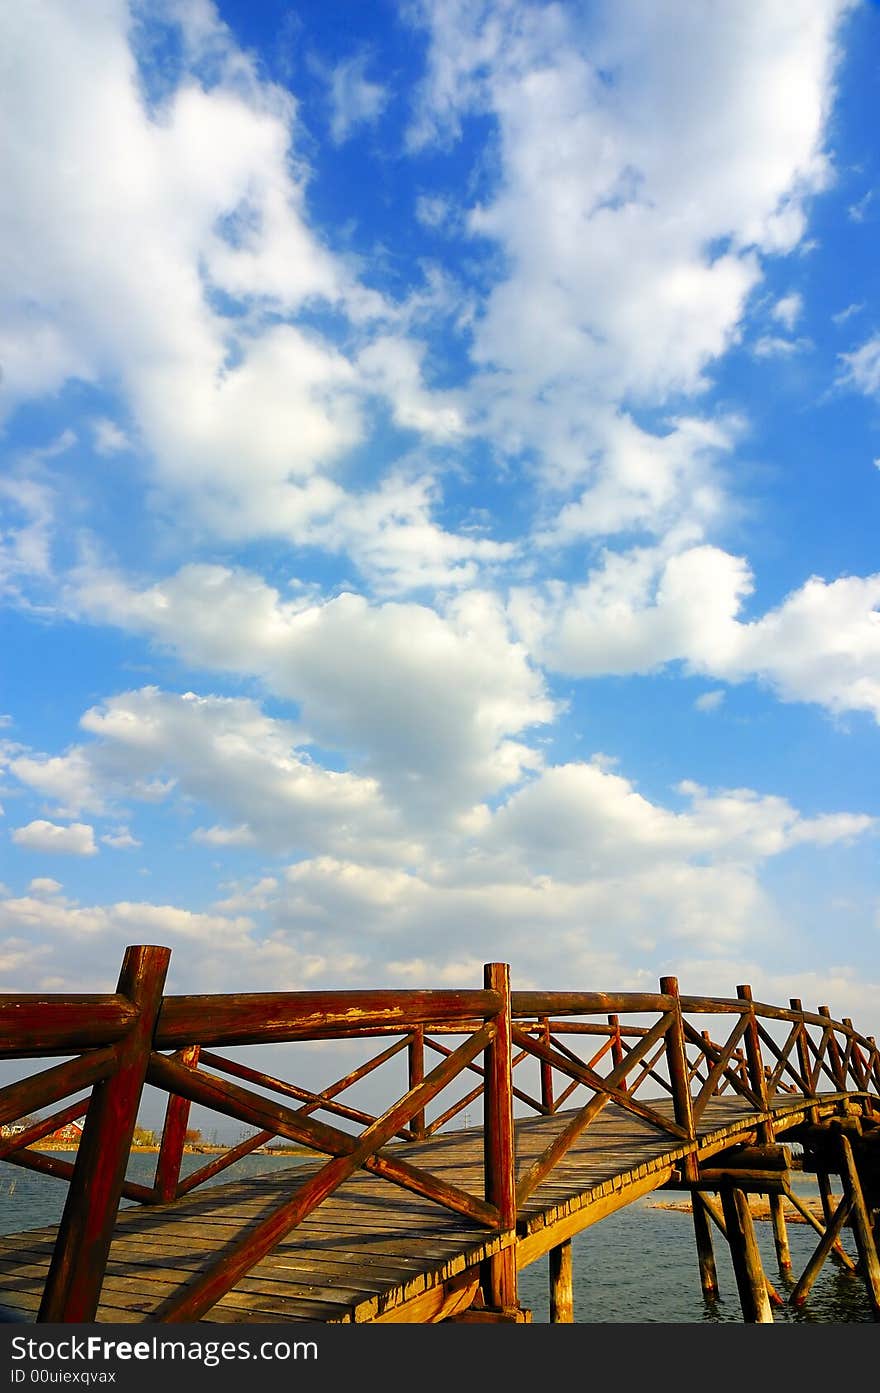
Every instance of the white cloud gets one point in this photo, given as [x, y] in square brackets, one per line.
[773, 346]
[788, 309]
[636, 613]
[44, 885]
[862, 367]
[434, 706]
[244, 417]
[224, 836]
[120, 840]
[355, 99]
[109, 438]
[710, 701]
[678, 149]
[77, 839]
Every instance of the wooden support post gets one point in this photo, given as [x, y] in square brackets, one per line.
[174, 1134]
[498, 1141]
[676, 1062]
[824, 1180]
[546, 1072]
[73, 1287]
[416, 1057]
[826, 1243]
[745, 1256]
[705, 1251]
[766, 1132]
[717, 1218]
[869, 1262]
[561, 1285]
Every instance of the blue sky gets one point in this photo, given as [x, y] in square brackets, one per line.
[439, 500]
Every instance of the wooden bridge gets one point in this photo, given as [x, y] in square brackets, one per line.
[587, 1101]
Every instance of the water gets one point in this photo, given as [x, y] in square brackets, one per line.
[639, 1265]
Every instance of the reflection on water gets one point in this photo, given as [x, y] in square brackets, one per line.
[637, 1266]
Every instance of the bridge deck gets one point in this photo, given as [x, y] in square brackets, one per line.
[373, 1251]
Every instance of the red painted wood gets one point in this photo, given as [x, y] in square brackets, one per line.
[50, 1085]
[499, 1154]
[73, 1286]
[259, 1018]
[174, 1134]
[44, 1128]
[35, 1026]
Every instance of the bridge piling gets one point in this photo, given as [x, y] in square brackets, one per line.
[766, 1130]
[748, 1270]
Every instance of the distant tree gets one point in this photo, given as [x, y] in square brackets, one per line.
[192, 1136]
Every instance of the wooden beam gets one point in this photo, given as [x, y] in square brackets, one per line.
[73, 1286]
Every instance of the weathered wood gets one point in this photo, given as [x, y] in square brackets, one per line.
[203, 1088]
[705, 1251]
[715, 1214]
[315, 1102]
[746, 1259]
[50, 1085]
[416, 1074]
[203, 1292]
[811, 1271]
[499, 1154]
[838, 1252]
[73, 1287]
[561, 1284]
[585, 1003]
[861, 1224]
[255, 1018]
[174, 1134]
[34, 1026]
[64, 1170]
[220, 1163]
[42, 1129]
[768, 1156]
[609, 1089]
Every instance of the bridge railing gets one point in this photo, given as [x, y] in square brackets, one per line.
[650, 1054]
[136, 1037]
[638, 1063]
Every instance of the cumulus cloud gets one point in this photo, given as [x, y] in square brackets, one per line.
[861, 368]
[77, 839]
[195, 195]
[636, 613]
[679, 149]
[433, 705]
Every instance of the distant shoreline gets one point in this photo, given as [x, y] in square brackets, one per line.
[210, 1148]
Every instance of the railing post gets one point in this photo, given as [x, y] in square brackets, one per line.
[766, 1129]
[498, 1142]
[174, 1134]
[616, 1047]
[676, 1062]
[416, 1056]
[546, 1071]
[834, 1054]
[76, 1273]
[803, 1055]
[856, 1062]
